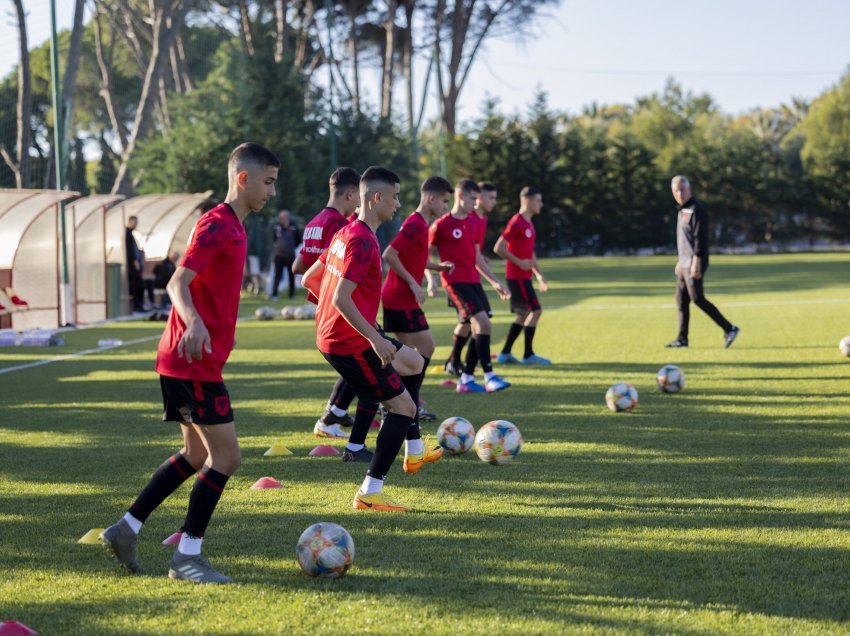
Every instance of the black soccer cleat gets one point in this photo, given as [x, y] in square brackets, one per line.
[731, 335]
[452, 369]
[678, 343]
[329, 418]
[362, 455]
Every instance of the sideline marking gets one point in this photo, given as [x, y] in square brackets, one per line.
[69, 356]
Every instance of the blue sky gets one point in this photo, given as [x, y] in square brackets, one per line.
[745, 53]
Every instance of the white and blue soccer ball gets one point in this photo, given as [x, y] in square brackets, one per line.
[265, 313]
[456, 435]
[621, 397]
[498, 442]
[325, 550]
[844, 346]
[670, 379]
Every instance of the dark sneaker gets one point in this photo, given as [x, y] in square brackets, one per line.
[452, 369]
[425, 415]
[120, 541]
[362, 455]
[731, 335]
[194, 568]
[678, 343]
[329, 419]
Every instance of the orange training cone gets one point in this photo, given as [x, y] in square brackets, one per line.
[266, 483]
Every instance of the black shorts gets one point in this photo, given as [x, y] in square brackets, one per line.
[363, 371]
[468, 299]
[523, 296]
[405, 320]
[196, 402]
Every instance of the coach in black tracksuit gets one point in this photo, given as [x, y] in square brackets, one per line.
[692, 244]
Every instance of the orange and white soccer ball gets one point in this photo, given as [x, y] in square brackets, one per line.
[670, 379]
[456, 435]
[498, 442]
[844, 346]
[621, 397]
[326, 550]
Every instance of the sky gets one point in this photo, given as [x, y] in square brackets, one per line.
[744, 53]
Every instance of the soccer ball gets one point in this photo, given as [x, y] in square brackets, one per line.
[498, 442]
[326, 550]
[299, 314]
[844, 346]
[288, 312]
[456, 435]
[621, 397]
[265, 313]
[670, 379]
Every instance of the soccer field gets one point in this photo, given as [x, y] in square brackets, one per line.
[721, 509]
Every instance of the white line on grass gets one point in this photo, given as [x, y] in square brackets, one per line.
[68, 356]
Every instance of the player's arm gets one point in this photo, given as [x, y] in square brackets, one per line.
[311, 280]
[501, 248]
[431, 267]
[392, 259]
[541, 279]
[484, 269]
[700, 241]
[298, 265]
[195, 339]
[345, 305]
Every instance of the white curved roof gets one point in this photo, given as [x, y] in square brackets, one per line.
[86, 206]
[18, 210]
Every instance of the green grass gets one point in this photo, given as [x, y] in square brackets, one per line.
[723, 509]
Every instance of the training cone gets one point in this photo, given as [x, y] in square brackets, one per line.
[14, 628]
[321, 449]
[173, 539]
[92, 537]
[448, 383]
[277, 449]
[266, 483]
[375, 424]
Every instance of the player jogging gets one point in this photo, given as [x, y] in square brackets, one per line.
[454, 236]
[344, 186]
[516, 246]
[193, 349]
[347, 281]
[407, 256]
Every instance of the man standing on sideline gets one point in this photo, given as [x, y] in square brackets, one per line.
[135, 262]
[286, 238]
[516, 246]
[192, 352]
[692, 244]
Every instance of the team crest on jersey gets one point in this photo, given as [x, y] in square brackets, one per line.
[527, 233]
[457, 232]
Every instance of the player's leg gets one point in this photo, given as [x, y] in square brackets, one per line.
[355, 447]
[336, 414]
[481, 329]
[531, 321]
[683, 301]
[460, 337]
[291, 277]
[519, 307]
[697, 293]
[423, 343]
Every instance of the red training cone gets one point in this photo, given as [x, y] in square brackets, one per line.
[448, 383]
[375, 424]
[321, 449]
[14, 628]
[173, 539]
[265, 483]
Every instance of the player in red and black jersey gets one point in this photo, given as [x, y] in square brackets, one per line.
[407, 256]
[455, 237]
[193, 349]
[347, 281]
[344, 186]
[516, 246]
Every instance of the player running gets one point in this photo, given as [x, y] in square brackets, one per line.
[193, 349]
[407, 256]
[454, 235]
[516, 246]
[347, 281]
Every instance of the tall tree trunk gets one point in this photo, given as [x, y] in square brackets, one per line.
[302, 37]
[21, 167]
[407, 63]
[247, 30]
[183, 66]
[161, 41]
[280, 30]
[389, 50]
[355, 59]
[104, 63]
[69, 82]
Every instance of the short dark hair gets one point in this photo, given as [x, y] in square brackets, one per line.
[342, 179]
[467, 185]
[486, 186]
[437, 185]
[253, 154]
[379, 174]
[529, 191]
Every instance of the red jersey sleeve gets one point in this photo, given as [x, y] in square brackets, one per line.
[408, 238]
[433, 233]
[208, 236]
[358, 260]
[510, 233]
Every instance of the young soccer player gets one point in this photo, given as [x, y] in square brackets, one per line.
[193, 349]
[516, 246]
[344, 185]
[484, 204]
[454, 235]
[347, 281]
[407, 256]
